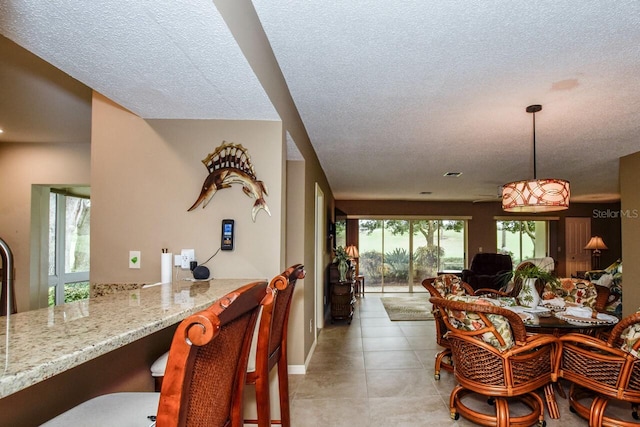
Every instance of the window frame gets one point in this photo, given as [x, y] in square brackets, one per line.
[60, 278]
[547, 236]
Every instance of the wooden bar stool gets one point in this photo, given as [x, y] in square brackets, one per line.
[205, 375]
[270, 350]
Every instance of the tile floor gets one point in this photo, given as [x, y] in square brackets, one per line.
[376, 372]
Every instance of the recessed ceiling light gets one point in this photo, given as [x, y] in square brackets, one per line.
[1, 130]
[456, 174]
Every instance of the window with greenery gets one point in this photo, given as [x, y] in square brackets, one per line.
[69, 225]
[341, 233]
[522, 240]
[396, 254]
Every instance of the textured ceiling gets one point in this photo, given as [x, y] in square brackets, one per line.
[392, 94]
[395, 94]
[160, 59]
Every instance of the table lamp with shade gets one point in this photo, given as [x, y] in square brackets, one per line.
[352, 251]
[595, 245]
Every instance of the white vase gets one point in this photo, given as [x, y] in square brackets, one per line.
[342, 270]
[529, 296]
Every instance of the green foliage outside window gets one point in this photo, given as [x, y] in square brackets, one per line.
[398, 264]
[72, 292]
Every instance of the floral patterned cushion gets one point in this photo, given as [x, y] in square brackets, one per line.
[610, 277]
[630, 336]
[449, 284]
[469, 321]
[614, 268]
[616, 288]
[578, 291]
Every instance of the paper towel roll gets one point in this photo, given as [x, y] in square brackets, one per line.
[165, 295]
[166, 265]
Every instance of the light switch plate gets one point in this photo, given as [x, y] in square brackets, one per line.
[134, 259]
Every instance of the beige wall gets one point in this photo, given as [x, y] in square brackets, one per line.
[295, 255]
[629, 179]
[21, 166]
[146, 174]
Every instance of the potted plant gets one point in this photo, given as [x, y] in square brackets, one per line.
[529, 274]
[342, 259]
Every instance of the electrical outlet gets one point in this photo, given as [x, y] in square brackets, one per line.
[134, 259]
[187, 255]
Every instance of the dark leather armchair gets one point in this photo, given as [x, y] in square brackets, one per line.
[488, 270]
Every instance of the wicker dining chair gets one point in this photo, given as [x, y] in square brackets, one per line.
[494, 357]
[600, 371]
[442, 286]
[205, 373]
[271, 350]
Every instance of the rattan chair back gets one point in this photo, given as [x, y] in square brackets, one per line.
[480, 367]
[602, 370]
[271, 349]
[438, 287]
[207, 364]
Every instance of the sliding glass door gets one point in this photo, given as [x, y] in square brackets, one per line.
[397, 254]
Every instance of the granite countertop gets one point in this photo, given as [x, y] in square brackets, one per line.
[36, 345]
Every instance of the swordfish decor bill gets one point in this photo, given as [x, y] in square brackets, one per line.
[230, 164]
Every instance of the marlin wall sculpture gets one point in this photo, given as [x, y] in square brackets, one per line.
[230, 164]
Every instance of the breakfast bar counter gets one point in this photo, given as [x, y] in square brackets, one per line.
[39, 344]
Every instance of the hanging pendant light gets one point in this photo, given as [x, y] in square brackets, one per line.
[536, 195]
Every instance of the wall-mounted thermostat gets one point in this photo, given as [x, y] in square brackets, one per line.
[227, 235]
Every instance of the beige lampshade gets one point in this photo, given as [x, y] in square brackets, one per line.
[352, 251]
[596, 244]
[537, 195]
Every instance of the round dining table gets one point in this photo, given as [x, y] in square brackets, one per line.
[553, 321]
[549, 323]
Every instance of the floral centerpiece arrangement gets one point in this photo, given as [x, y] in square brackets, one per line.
[529, 274]
[342, 259]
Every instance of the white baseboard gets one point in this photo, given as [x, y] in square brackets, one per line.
[302, 369]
